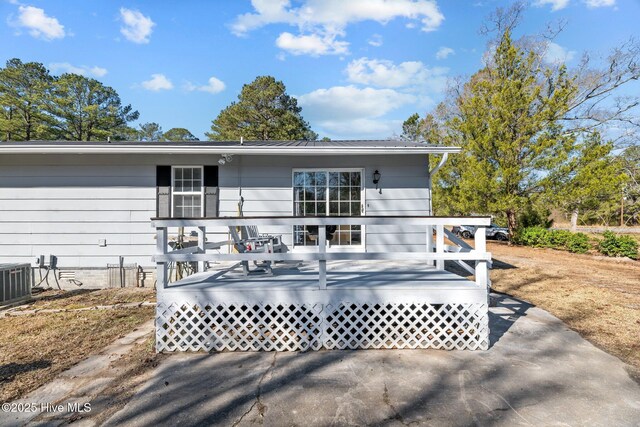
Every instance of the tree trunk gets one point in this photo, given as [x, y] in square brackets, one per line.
[27, 131]
[9, 135]
[574, 219]
[511, 222]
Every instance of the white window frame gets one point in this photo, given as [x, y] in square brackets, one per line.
[187, 193]
[337, 248]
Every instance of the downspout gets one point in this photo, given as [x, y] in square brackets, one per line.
[443, 160]
[432, 172]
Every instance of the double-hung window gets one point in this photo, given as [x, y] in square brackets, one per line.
[186, 191]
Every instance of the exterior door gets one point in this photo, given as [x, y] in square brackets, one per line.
[332, 192]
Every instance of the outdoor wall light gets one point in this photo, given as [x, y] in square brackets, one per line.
[376, 177]
[225, 158]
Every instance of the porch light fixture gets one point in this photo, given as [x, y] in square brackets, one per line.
[376, 177]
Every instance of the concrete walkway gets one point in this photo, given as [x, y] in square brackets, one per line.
[537, 372]
[78, 385]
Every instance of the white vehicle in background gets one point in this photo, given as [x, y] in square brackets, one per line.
[493, 232]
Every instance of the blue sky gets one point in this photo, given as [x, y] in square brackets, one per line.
[357, 67]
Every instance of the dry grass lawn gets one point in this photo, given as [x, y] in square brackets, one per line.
[55, 299]
[35, 348]
[597, 297]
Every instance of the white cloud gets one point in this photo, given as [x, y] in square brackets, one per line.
[556, 54]
[375, 40]
[348, 111]
[98, 71]
[157, 82]
[39, 24]
[444, 52]
[599, 3]
[555, 4]
[320, 22]
[352, 111]
[267, 12]
[337, 14]
[83, 70]
[213, 86]
[313, 44]
[137, 28]
[346, 104]
[384, 73]
[561, 4]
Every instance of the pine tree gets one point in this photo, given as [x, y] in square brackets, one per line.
[87, 110]
[150, 131]
[263, 111]
[179, 134]
[590, 177]
[24, 88]
[507, 122]
[412, 128]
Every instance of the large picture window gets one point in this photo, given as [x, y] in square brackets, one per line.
[186, 191]
[328, 193]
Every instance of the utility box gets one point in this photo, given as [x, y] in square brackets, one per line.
[122, 275]
[15, 282]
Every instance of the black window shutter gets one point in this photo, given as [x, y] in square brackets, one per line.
[211, 191]
[163, 191]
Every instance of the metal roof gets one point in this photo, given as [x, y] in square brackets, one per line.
[389, 146]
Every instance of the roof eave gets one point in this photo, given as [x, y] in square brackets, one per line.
[67, 149]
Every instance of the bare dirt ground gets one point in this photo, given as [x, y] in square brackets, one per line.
[37, 347]
[596, 296]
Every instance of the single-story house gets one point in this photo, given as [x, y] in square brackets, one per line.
[90, 203]
[93, 207]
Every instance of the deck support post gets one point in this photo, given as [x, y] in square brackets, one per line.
[430, 243]
[161, 248]
[202, 237]
[482, 271]
[440, 245]
[322, 249]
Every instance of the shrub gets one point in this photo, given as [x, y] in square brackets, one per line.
[558, 239]
[539, 237]
[536, 237]
[578, 243]
[614, 245]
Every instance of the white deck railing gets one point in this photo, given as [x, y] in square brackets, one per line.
[435, 250]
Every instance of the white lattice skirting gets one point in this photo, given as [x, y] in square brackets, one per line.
[289, 327]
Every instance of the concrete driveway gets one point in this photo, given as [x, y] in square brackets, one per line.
[537, 372]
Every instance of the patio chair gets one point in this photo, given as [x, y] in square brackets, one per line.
[250, 240]
[250, 232]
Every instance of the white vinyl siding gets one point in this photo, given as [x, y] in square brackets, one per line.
[266, 188]
[64, 204]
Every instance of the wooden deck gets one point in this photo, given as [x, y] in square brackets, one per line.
[297, 282]
[323, 299]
